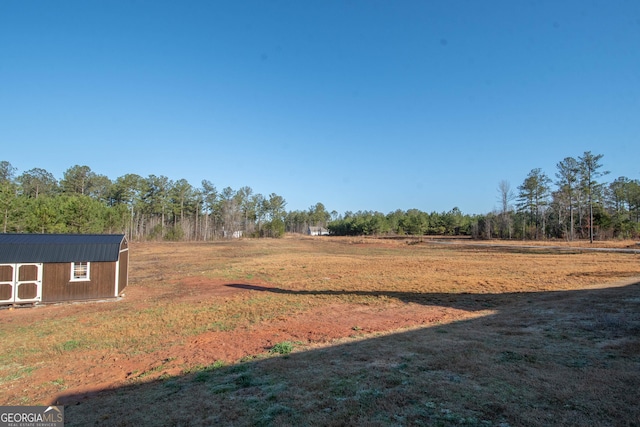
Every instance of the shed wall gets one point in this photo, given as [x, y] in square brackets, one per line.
[123, 274]
[57, 284]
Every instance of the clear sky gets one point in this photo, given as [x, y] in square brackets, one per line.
[360, 105]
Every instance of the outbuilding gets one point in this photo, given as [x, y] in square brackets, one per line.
[317, 231]
[44, 268]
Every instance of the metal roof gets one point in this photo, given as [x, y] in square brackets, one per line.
[15, 248]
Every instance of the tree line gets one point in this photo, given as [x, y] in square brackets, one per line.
[576, 205]
[144, 208]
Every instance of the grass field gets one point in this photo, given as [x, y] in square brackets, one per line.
[328, 331]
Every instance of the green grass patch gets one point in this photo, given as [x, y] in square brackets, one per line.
[15, 373]
[69, 345]
[202, 373]
[284, 347]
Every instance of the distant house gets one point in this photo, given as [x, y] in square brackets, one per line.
[317, 231]
[233, 234]
[42, 268]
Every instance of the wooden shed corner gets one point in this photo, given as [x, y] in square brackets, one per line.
[43, 268]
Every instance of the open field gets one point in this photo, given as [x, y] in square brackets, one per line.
[329, 331]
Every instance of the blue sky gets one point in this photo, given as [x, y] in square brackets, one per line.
[360, 105]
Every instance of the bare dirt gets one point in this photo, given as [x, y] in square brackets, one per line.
[189, 306]
[98, 370]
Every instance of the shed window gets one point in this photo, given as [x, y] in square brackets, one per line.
[79, 271]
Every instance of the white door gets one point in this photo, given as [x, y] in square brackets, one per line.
[20, 283]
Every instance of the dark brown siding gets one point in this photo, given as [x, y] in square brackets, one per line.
[6, 291]
[56, 284]
[27, 291]
[124, 271]
[6, 273]
[27, 273]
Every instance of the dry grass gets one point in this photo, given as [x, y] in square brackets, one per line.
[383, 333]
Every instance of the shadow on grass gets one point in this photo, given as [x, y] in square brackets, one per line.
[549, 358]
[463, 301]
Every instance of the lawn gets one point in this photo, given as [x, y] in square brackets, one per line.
[333, 331]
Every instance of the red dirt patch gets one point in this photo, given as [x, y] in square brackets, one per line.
[313, 293]
[311, 329]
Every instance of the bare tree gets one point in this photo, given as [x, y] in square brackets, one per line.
[230, 212]
[589, 173]
[210, 199]
[567, 175]
[506, 197]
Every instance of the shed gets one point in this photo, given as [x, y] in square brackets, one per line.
[45, 268]
[317, 231]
